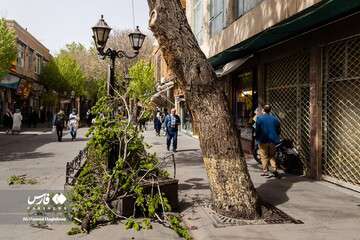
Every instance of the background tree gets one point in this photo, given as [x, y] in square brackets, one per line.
[51, 77]
[8, 48]
[141, 87]
[233, 192]
[92, 67]
[71, 73]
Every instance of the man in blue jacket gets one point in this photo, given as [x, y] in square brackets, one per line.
[172, 121]
[268, 135]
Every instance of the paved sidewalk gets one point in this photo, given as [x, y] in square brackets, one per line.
[328, 212]
[38, 154]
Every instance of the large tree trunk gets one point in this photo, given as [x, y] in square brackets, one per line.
[233, 192]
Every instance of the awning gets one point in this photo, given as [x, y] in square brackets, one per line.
[159, 98]
[166, 86]
[312, 17]
[10, 81]
[232, 66]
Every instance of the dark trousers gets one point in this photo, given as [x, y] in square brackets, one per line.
[171, 135]
[59, 132]
[73, 132]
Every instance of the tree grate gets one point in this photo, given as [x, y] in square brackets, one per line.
[272, 215]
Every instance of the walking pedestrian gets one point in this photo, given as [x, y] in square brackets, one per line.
[17, 119]
[34, 118]
[8, 121]
[268, 135]
[163, 120]
[89, 118]
[73, 123]
[59, 124]
[157, 123]
[172, 122]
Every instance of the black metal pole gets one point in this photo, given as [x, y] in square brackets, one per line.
[114, 149]
[112, 76]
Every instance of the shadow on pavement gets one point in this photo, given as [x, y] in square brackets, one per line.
[26, 146]
[23, 155]
[194, 183]
[188, 157]
[274, 191]
[76, 140]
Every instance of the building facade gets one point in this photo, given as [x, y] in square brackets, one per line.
[169, 94]
[300, 56]
[21, 87]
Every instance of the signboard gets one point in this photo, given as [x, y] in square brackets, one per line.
[24, 88]
[10, 81]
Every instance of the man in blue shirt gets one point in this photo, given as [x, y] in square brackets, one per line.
[172, 121]
[267, 133]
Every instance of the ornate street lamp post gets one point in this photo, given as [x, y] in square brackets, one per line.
[101, 33]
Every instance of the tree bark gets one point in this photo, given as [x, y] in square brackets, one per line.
[233, 193]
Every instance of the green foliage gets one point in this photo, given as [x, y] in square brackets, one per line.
[142, 84]
[51, 77]
[131, 223]
[49, 98]
[63, 74]
[92, 67]
[75, 68]
[8, 48]
[87, 194]
[146, 224]
[71, 73]
[74, 231]
[96, 186]
[175, 223]
[21, 179]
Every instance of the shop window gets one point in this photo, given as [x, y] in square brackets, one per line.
[30, 58]
[217, 16]
[21, 55]
[197, 24]
[38, 64]
[244, 104]
[244, 6]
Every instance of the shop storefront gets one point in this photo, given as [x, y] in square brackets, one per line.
[312, 82]
[244, 102]
[8, 86]
[287, 91]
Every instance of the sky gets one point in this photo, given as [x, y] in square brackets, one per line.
[58, 22]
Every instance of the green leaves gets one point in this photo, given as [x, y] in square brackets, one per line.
[142, 84]
[75, 68]
[8, 49]
[63, 74]
[96, 186]
[137, 225]
[182, 231]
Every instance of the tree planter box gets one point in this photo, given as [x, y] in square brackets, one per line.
[169, 187]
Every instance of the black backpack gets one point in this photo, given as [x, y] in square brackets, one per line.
[59, 120]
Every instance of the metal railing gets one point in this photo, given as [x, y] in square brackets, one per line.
[74, 167]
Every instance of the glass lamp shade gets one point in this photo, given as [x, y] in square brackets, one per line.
[101, 33]
[137, 39]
